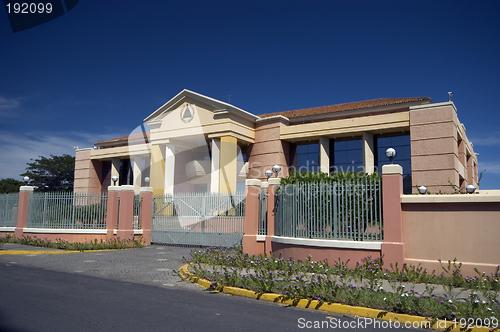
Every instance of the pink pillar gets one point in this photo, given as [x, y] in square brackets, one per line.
[393, 247]
[112, 211]
[22, 210]
[250, 244]
[271, 189]
[126, 213]
[146, 213]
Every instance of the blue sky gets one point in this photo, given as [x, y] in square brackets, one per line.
[96, 72]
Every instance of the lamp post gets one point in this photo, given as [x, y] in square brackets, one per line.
[390, 153]
[268, 173]
[146, 179]
[276, 170]
[114, 178]
[26, 180]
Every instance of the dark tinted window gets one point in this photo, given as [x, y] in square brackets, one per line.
[307, 156]
[346, 154]
[401, 143]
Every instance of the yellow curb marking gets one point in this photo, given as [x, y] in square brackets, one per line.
[28, 252]
[333, 307]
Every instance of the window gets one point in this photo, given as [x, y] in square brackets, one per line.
[306, 156]
[346, 154]
[126, 176]
[401, 143]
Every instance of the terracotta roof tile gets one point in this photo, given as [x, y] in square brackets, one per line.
[124, 139]
[346, 107]
[303, 112]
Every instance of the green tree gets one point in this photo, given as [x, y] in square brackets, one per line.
[55, 173]
[10, 186]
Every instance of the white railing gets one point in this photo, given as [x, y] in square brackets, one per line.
[8, 210]
[344, 210]
[67, 211]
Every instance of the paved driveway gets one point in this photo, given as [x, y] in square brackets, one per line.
[152, 265]
[133, 290]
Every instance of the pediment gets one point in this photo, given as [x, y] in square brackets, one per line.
[187, 97]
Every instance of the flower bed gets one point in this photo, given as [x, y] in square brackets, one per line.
[403, 289]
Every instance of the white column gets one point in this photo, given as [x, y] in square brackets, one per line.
[137, 172]
[215, 162]
[368, 153]
[169, 169]
[324, 155]
[115, 170]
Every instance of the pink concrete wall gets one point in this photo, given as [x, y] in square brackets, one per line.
[22, 209]
[251, 222]
[466, 231]
[320, 253]
[126, 213]
[68, 237]
[393, 247]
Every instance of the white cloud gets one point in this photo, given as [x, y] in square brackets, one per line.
[18, 148]
[491, 167]
[8, 104]
[7, 107]
[485, 141]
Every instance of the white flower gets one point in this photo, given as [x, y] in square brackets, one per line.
[385, 298]
[450, 301]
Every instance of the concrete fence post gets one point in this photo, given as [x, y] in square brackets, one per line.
[273, 183]
[22, 210]
[393, 247]
[250, 244]
[112, 211]
[126, 213]
[146, 213]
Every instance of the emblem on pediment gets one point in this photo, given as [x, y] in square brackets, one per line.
[187, 113]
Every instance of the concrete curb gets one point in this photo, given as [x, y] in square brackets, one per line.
[440, 325]
[27, 252]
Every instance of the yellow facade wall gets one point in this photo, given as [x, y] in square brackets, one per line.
[228, 164]
[157, 173]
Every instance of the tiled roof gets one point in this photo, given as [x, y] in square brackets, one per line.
[346, 107]
[302, 112]
[125, 139]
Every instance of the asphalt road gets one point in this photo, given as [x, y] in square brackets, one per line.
[134, 290]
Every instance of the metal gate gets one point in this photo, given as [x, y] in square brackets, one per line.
[198, 219]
